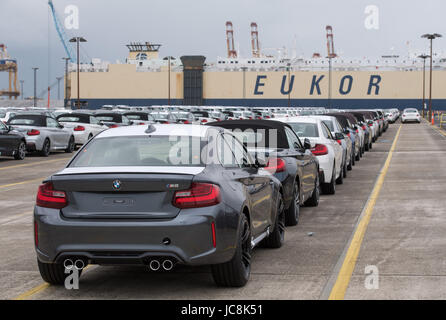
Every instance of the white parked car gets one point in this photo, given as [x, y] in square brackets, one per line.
[324, 146]
[85, 126]
[410, 115]
[347, 145]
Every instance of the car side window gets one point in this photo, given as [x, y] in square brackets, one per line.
[51, 123]
[326, 131]
[238, 151]
[293, 139]
[125, 120]
[2, 126]
[93, 120]
[224, 153]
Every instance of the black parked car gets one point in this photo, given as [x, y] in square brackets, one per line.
[126, 198]
[12, 143]
[291, 161]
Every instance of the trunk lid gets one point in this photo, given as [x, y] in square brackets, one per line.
[121, 195]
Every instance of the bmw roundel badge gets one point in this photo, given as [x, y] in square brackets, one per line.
[117, 185]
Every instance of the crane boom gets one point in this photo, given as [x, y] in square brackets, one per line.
[61, 32]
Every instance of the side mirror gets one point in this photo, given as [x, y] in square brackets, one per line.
[307, 144]
[339, 136]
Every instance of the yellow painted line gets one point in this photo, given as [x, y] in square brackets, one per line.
[33, 163]
[20, 183]
[340, 287]
[31, 292]
[37, 289]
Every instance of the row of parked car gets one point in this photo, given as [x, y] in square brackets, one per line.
[194, 194]
[45, 131]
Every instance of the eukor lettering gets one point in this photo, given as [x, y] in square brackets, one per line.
[318, 85]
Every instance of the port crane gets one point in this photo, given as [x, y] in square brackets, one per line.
[9, 65]
[62, 34]
[255, 40]
[330, 42]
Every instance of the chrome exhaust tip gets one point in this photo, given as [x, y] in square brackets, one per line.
[154, 265]
[68, 264]
[167, 265]
[79, 264]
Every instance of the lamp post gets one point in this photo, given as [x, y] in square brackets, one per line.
[35, 87]
[424, 57]
[21, 87]
[78, 40]
[65, 103]
[330, 71]
[289, 84]
[431, 37]
[58, 87]
[244, 84]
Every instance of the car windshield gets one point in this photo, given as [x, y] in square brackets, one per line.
[138, 151]
[307, 130]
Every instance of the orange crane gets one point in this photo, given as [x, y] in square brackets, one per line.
[232, 53]
[255, 40]
[9, 65]
[330, 43]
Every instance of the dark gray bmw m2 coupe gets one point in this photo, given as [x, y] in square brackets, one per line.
[158, 196]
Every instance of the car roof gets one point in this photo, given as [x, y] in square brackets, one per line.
[160, 130]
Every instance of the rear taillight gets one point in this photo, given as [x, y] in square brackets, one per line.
[198, 196]
[186, 122]
[113, 126]
[364, 127]
[47, 197]
[349, 135]
[267, 117]
[250, 118]
[33, 132]
[340, 142]
[141, 124]
[79, 128]
[204, 121]
[320, 150]
[275, 165]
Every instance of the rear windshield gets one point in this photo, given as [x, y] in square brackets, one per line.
[69, 119]
[106, 118]
[23, 122]
[307, 130]
[134, 117]
[158, 151]
[410, 111]
[2, 115]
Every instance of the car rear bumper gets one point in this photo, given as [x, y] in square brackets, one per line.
[187, 239]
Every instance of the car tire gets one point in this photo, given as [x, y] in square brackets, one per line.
[350, 166]
[277, 237]
[314, 200]
[340, 180]
[21, 151]
[293, 212]
[53, 273]
[370, 146]
[236, 272]
[71, 145]
[353, 159]
[344, 170]
[46, 148]
[366, 147]
[330, 188]
[358, 157]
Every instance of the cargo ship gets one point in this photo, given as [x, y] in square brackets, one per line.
[144, 79]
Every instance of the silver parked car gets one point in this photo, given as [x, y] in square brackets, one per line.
[43, 134]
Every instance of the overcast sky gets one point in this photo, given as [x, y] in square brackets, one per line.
[198, 27]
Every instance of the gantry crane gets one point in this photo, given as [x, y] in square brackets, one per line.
[9, 65]
[255, 40]
[330, 43]
[232, 53]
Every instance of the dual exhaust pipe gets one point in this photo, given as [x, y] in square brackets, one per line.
[156, 265]
[78, 264]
